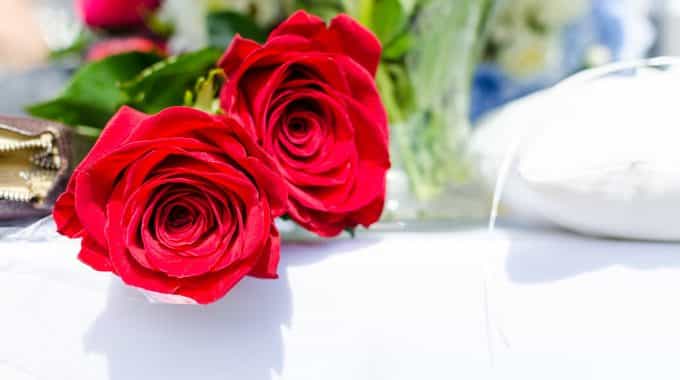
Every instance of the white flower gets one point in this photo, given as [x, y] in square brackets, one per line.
[530, 54]
[526, 33]
[265, 11]
[540, 15]
[188, 19]
[558, 13]
[598, 55]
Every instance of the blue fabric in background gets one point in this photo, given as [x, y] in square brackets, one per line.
[609, 25]
[603, 25]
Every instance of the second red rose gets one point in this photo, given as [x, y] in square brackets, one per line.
[309, 96]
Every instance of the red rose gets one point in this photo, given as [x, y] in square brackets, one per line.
[115, 46]
[181, 202]
[309, 95]
[115, 13]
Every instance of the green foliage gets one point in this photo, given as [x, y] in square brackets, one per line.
[224, 25]
[164, 84]
[447, 37]
[143, 81]
[76, 49]
[399, 46]
[326, 9]
[396, 91]
[388, 20]
[205, 95]
[93, 94]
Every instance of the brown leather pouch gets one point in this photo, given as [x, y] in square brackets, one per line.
[35, 164]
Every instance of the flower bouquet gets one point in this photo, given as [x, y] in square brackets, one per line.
[429, 51]
[198, 151]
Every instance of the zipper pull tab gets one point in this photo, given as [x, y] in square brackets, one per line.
[39, 182]
[49, 160]
[42, 164]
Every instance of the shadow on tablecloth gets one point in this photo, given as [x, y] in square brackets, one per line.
[239, 337]
[537, 256]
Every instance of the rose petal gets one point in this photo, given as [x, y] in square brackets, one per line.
[173, 122]
[358, 42]
[65, 217]
[130, 271]
[239, 49]
[272, 183]
[299, 23]
[209, 288]
[89, 202]
[94, 255]
[266, 266]
[116, 131]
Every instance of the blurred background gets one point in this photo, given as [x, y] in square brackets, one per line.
[532, 44]
[446, 65]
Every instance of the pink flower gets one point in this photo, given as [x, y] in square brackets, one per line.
[115, 46]
[113, 14]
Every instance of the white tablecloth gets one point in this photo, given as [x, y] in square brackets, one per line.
[387, 306]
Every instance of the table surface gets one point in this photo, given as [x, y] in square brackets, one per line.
[516, 303]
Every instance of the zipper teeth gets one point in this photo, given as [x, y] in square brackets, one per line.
[44, 141]
[47, 161]
[16, 196]
[35, 182]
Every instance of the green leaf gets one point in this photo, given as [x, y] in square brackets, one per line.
[364, 12]
[388, 19]
[76, 49]
[165, 83]
[408, 6]
[326, 12]
[325, 9]
[224, 25]
[403, 88]
[398, 47]
[388, 94]
[206, 94]
[160, 26]
[93, 94]
[396, 91]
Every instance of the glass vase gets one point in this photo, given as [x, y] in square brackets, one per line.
[427, 97]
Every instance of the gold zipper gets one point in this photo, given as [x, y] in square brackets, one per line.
[43, 142]
[28, 165]
[16, 195]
